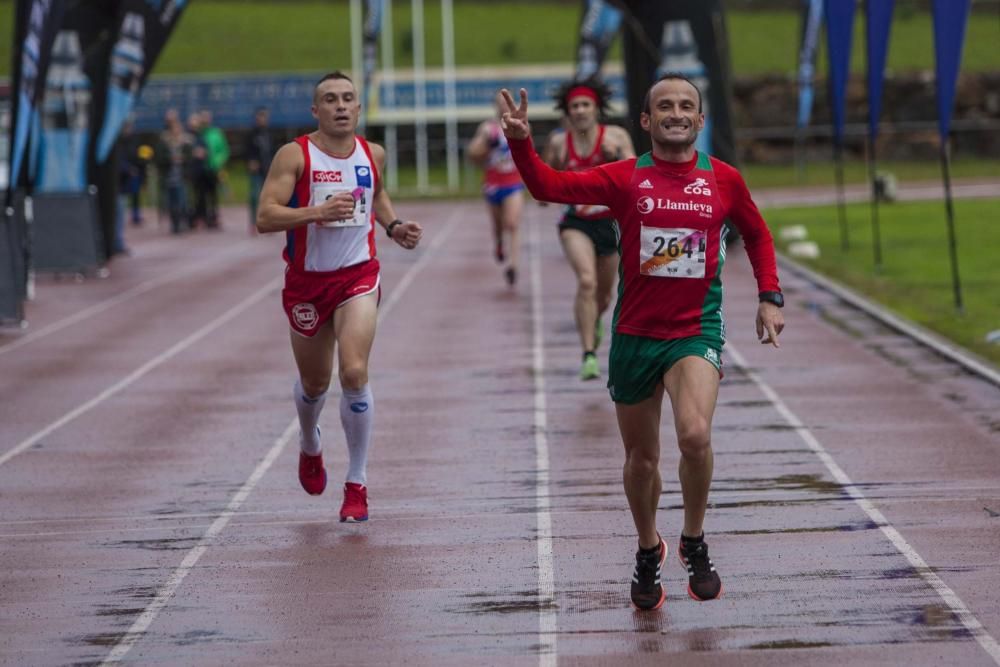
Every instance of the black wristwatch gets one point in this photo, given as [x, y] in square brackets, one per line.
[773, 297]
[391, 225]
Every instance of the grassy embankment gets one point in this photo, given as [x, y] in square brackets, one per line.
[296, 35]
[915, 280]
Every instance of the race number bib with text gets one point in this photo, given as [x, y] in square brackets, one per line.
[323, 191]
[672, 253]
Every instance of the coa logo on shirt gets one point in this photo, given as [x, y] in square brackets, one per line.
[645, 205]
[699, 187]
[305, 315]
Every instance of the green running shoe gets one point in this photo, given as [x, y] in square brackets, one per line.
[589, 370]
[598, 333]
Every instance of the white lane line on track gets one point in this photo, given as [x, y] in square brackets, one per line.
[166, 591]
[107, 304]
[163, 595]
[955, 603]
[138, 373]
[548, 655]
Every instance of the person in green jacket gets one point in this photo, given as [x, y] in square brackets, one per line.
[216, 154]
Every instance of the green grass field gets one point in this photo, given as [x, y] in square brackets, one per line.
[300, 35]
[915, 280]
[856, 171]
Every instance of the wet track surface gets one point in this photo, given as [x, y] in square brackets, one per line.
[150, 510]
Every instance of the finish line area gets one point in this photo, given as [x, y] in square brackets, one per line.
[151, 511]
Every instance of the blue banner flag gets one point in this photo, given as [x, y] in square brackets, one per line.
[35, 26]
[598, 27]
[839, 25]
[65, 118]
[950, 18]
[813, 10]
[878, 22]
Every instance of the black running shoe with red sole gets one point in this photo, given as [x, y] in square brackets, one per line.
[647, 589]
[704, 583]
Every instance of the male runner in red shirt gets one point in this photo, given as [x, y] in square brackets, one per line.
[324, 190]
[589, 234]
[668, 329]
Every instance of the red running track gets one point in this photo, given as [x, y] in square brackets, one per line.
[150, 511]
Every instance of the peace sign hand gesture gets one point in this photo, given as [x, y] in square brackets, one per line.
[514, 119]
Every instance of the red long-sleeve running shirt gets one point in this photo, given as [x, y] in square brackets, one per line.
[672, 242]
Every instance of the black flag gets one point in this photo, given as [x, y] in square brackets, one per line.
[142, 29]
[115, 45]
[689, 38]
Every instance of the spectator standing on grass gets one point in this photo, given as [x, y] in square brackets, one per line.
[216, 156]
[258, 151]
[134, 157]
[173, 159]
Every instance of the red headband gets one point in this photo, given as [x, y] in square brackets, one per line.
[583, 91]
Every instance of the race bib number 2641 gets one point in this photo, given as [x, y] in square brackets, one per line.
[672, 253]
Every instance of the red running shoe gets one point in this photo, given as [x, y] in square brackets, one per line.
[355, 507]
[312, 474]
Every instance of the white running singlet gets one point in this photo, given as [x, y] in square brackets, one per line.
[328, 246]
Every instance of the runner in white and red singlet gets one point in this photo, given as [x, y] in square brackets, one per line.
[588, 233]
[503, 190]
[668, 333]
[324, 190]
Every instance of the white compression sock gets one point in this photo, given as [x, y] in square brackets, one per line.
[356, 415]
[308, 409]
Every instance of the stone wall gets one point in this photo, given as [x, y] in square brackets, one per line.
[764, 111]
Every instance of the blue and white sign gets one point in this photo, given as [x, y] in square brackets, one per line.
[233, 100]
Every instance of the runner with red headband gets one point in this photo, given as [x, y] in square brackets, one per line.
[589, 234]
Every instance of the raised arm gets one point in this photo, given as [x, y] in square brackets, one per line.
[591, 186]
[275, 215]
